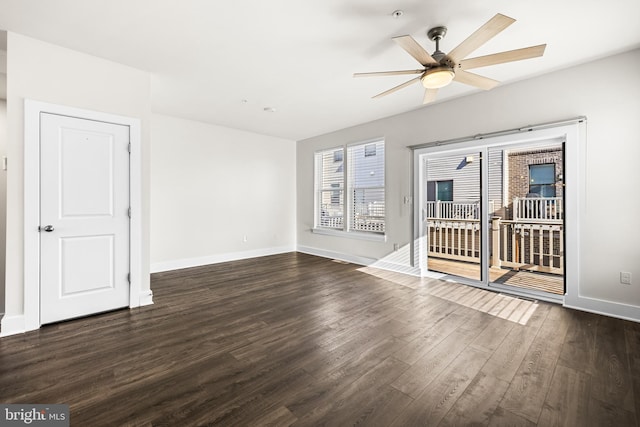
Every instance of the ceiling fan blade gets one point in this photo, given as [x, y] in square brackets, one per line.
[502, 57]
[475, 80]
[414, 49]
[393, 89]
[388, 73]
[429, 95]
[482, 35]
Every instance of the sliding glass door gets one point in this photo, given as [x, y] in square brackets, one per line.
[452, 213]
[526, 195]
[492, 215]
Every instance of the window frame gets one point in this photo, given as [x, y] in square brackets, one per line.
[436, 189]
[331, 188]
[543, 185]
[348, 190]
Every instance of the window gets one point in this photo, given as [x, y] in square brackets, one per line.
[440, 191]
[370, 150]
[336, 195]
[363, 201]
[542, 179]
[366, 187]
[330, 187]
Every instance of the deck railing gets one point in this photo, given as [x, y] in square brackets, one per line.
[366, 217]
[452, 210]
[454, 239]
[531, 245]
[538, 209]
[534, 246]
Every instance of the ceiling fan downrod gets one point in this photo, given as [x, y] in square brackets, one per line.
[435, 35]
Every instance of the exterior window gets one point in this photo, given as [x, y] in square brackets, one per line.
[330, 189]
[542, 180]
[336, 194]
[363, 201]
[370, 150]
[440, 191]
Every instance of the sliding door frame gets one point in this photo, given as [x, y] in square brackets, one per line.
[573, 134]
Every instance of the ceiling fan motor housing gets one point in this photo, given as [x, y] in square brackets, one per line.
[435, 35]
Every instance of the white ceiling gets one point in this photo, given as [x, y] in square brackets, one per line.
[298, 57]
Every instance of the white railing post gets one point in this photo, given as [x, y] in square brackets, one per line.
[495, 242]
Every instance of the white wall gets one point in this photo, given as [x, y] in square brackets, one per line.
[609, 234]
[211, 186]
[49, 73]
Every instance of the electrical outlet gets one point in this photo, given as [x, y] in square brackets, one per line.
[408, 200]
[625, 277]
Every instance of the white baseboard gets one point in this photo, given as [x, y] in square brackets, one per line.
[159, 267]
[146, 298]
[606, 308]
[11, 325]
[354, 259]
[398, 268]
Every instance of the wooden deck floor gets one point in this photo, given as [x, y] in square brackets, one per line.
[298, 340]
[550, 283]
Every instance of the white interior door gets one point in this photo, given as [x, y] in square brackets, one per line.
[84, 217]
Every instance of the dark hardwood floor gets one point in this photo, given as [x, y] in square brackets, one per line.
[294, 339]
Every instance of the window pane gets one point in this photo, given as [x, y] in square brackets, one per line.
[548, 190]
[542, 180]
[370, 150]
[542, 174]
[366, 183]
[330, 187]
[445, 191]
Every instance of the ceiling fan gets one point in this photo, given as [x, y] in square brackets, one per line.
[441, 68]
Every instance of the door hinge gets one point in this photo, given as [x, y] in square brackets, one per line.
[129, 211]
[129, 277]
[129, 147]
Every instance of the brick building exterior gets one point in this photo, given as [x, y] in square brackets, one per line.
[519, 163]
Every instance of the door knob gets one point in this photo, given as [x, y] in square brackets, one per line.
[48, 228]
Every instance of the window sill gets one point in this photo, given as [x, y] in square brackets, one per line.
[373, 237]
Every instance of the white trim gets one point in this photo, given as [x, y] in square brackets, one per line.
[178, 264]
[507, 132]
[606, 308]
[399, 268]
[137, 297]
[32, 111]
[145, 298]
[11, 325]
[354, 259]
[374, 237]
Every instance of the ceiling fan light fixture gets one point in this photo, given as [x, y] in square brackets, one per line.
[438, 77]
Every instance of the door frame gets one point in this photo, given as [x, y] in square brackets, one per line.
[32, 111]
[574, 134]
